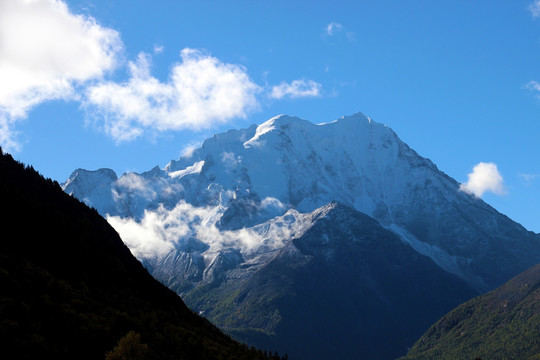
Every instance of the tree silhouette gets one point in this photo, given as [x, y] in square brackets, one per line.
[129, 348]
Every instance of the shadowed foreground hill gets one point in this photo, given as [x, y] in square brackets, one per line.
[70, 289]
[503, 324]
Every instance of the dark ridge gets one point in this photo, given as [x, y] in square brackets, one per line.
[70, 288]
[503, 324]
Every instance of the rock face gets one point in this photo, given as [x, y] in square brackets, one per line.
[234, 215]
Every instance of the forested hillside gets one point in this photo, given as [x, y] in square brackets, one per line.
[71, 289]
[503, 324]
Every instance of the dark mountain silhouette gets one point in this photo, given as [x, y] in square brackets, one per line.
[70, 288]
[503, 324]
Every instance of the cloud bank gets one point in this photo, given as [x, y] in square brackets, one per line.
[163, 230]
[484, 177]
[45, 51]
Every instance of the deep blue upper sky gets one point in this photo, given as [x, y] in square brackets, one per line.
[118, 84]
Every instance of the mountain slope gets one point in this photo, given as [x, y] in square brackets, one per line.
[503, 324]
[71, 288]
[343, 288]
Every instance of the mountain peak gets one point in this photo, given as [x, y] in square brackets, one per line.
[96, 184]
[280, 124]
[284, 119]
[359, 116]
[290, 163]
[99, 173]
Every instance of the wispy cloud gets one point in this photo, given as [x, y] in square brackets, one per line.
[335, 29]
[534, 8]
[201, 92]
[296, 89]
[533, 86]
[528, 177]
[158, 49]
[484, 177]
[45, 50]
[188, 149]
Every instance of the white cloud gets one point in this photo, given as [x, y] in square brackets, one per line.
[45, 51]
[162, 230]
[533, 86]
[8, 135]
[529, 178]
[534, 8]
[485, 177]
[188, 149]
[333, 28]
[49, 53]
[132, 182]
[144, 239]
[272, 203]
[297, 89]
[201, 92]
[158, 49]
[159, 231]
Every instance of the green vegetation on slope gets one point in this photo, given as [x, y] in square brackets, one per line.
[71, 289]
[503, 324]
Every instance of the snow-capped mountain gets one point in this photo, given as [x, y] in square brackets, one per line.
[219, 216]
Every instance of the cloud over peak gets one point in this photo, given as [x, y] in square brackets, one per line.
[484, 177]
[201, 91]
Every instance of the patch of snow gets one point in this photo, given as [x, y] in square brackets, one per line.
[438, 255]
[193, 169]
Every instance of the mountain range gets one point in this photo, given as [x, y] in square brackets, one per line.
[335, 238]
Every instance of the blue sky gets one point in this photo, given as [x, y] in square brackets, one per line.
[96, 83]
